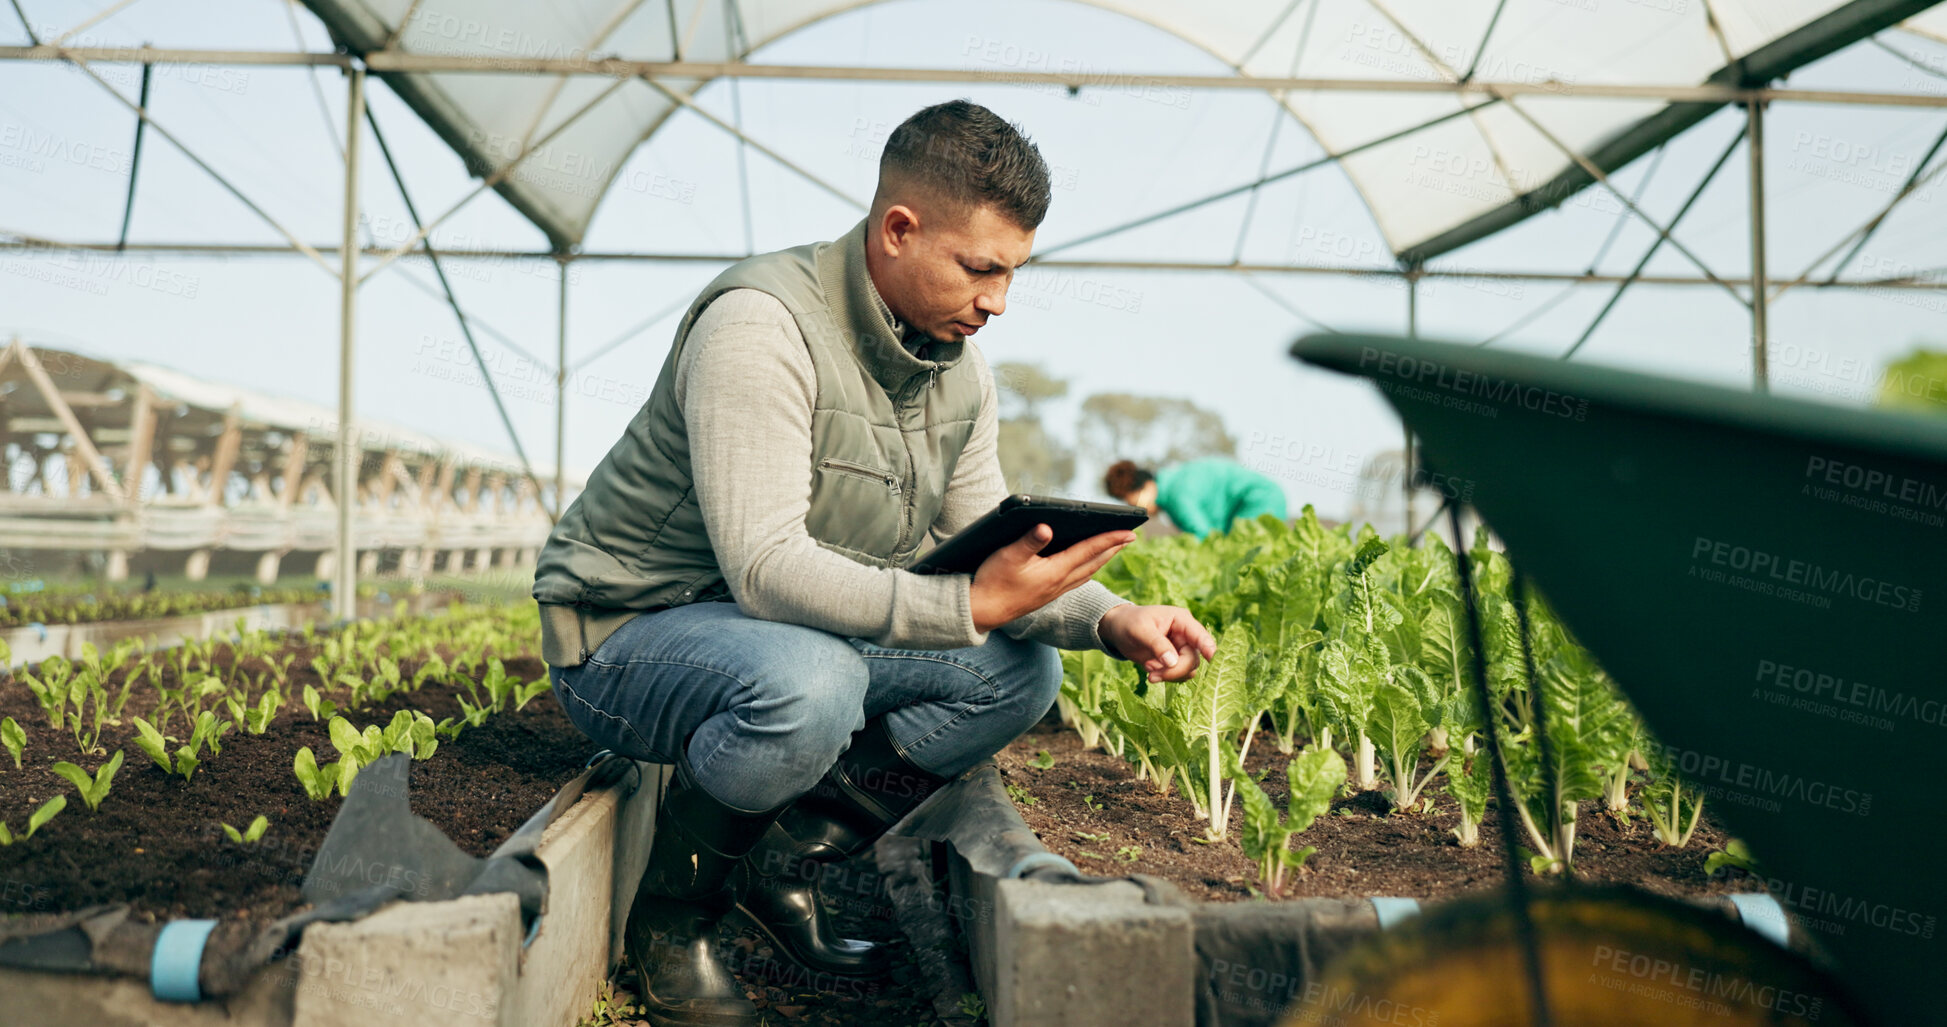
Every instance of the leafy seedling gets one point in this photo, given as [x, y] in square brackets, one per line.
[155, 744]
[1733, 855]
[1085, 836]
[317, 781]
[34, 823]
[1129, 853]
[249, 834]
[93, 788]
[527, 692]
[1020, 794]
[1042, 760]
[321, 708]
[1089, 801]
[14, 737]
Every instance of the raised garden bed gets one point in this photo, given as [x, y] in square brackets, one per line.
[474, 769]
[1089, 808]
[157, 840]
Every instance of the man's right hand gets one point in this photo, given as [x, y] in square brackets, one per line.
[1015, 580]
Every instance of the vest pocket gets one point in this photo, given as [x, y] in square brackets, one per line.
[886, 478]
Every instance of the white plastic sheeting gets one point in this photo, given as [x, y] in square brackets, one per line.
[1430, 191]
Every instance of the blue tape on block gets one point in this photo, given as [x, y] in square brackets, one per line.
[1761, 913]
[1392, 911]
[1036, 860]
[178, 955]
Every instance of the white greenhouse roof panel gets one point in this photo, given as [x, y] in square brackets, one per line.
[1432, 190]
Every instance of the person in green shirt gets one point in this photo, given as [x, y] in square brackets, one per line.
[1201, 496]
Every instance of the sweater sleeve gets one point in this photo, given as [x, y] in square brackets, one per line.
[746, 386]
[1071, 620]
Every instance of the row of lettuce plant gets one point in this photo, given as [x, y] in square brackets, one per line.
[1338, 647]
[88, 603]
[177, 705]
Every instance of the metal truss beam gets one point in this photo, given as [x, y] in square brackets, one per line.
[404, 62]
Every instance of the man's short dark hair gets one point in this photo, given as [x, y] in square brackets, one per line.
[967, 156]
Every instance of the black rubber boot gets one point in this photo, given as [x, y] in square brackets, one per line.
[868, 790]
[671, 935]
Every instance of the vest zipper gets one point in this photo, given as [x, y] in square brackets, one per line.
[861, 471]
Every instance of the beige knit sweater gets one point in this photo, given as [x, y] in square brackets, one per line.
[746, 386]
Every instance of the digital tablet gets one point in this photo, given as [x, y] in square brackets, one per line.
[1072, 520]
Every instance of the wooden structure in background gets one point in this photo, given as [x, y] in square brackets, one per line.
[127, 458]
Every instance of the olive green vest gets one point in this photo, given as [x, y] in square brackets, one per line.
[887, 429]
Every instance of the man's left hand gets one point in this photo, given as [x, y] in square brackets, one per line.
[1166, 640]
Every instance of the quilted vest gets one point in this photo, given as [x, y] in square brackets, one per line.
[887, 429]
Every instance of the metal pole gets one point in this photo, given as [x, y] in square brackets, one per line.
[344, 588]
[561, 399]
[1412, 332]
[1759, 287]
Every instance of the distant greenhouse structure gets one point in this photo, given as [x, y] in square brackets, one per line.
[121, 462]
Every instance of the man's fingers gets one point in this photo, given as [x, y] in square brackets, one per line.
[1088, 549]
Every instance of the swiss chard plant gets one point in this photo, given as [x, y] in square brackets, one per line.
[35, 820]
[1314, 776]
[14, 738]
[1210, 705]
[248, 834]
[93, 787]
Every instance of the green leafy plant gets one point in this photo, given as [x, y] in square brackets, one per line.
[1470, 782]
[14, 738]
[207, 730]
[1314, 776]
[1021, 795]
[1211, 707]
[93, 788]
[318, 781]
[35, 821]
[1129, 853]
[1041, 760]
[1733, 855]
[1402, 712]
[1673, 810]
[320, 707]
[610, 1010]
[249, 834]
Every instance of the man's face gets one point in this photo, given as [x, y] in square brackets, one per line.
[946, 279]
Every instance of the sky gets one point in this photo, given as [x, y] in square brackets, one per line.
[271, 323]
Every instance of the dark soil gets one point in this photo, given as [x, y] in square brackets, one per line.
[1362, 848]
[157, 843]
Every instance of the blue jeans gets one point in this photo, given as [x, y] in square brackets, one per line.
[767, 707]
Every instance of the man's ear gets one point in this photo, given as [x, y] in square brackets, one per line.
[897, 227]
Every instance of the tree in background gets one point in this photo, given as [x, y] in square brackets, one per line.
[1031, 459]
[1917, 382]
[1151, 430]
